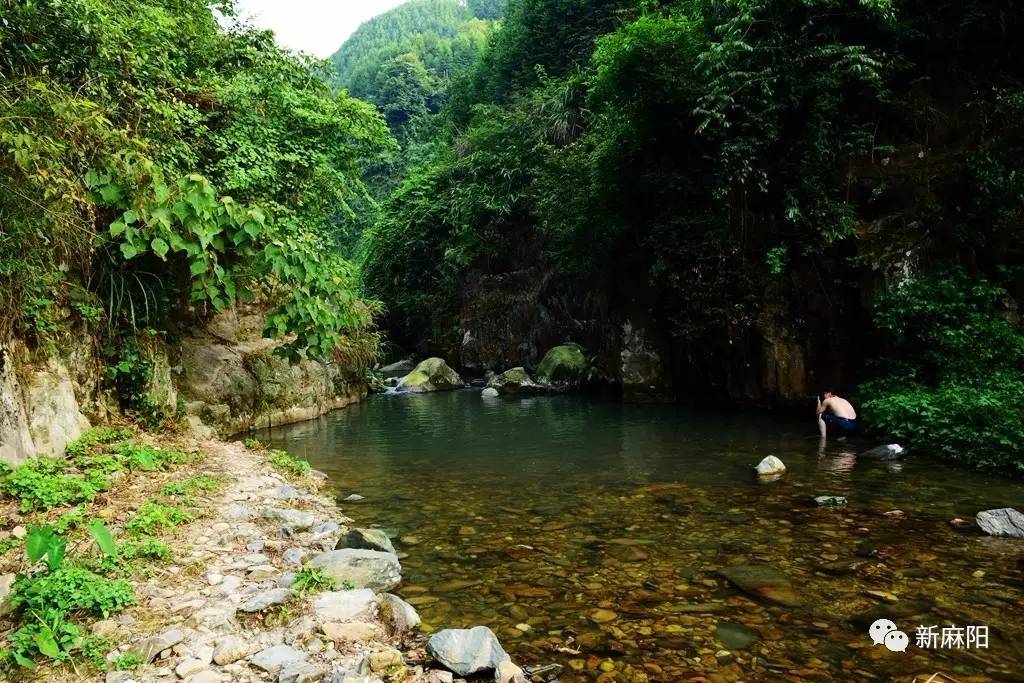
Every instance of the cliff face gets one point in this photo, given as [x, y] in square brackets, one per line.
[221, 377]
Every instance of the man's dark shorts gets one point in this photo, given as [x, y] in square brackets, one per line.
[843, 424]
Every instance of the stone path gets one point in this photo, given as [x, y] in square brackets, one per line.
[227, 611]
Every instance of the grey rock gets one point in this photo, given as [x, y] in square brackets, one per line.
[467, 651]
[402, 615]
[190, 666]
[830, 501]
[892, 451]
[293, 555]
[325, 529]
[6, 585]
[432, 374]
[490, 392]
[1001, 522]
[294, 520]
[285, 492]
[397, 369]
[438, 676]
[149, 648]
[369, 539]
[507, 672]
[207, 676]
[256, 546]
[354, 497]
[230, 649]
[345, 605]
[515, 381]
[300, 672]
[364, 568]
[274, 659]
[348, 676]
[265, 599]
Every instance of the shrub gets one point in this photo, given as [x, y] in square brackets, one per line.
[97, 436]
[951, 383]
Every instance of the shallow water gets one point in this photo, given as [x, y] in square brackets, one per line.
[591, 534]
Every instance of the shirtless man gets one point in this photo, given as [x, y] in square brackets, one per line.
[837, 412]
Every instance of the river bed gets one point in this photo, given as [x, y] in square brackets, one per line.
[594, 535]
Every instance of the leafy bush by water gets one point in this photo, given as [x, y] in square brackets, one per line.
[951, 383]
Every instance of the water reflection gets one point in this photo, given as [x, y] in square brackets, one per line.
[592, 534]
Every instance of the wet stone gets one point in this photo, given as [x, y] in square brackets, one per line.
[763, 582]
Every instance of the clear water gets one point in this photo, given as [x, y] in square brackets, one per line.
[590, 534]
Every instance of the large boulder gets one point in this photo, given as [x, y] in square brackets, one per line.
[515, 381]
[364, 568]
[466, 651]
[1001, 522]
[563, 365]
[433, 374]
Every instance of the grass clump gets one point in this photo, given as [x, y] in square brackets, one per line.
[253, 444]
[153, 518]
[312, 580]
[187, 487]
[286, 462]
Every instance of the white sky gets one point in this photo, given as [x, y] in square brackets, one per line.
[318, 27]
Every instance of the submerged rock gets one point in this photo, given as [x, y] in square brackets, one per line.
[830, 501]
[770, 466]
[762, 581]
[433, 374]
[364, 568]
[563, 365]
[369, 539]
[735, 636]
[467, 651]
[1001, 522]
[892, 451]
[515, 381]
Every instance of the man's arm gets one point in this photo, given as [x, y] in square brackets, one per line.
[822, 407]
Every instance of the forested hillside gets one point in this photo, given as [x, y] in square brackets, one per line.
[157, 168]
[734, 202]
[404, 60]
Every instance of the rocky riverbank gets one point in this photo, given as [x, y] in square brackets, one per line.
[269, 582]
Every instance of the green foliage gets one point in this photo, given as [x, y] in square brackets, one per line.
[94, 437]
[40, 484]
[951, 381]
[174, 163]
[70, 589]
[153, 518]
[191, 485]
[312, 580]
[287, 462]
[127, 661]
[253, 444]
[42, 541]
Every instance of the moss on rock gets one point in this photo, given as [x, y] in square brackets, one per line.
[565, 364]
[432, 374]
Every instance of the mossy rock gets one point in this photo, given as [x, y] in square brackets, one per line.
[565, 365]
[433, 374]
[515, 381]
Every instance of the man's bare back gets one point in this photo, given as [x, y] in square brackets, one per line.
[837, 412]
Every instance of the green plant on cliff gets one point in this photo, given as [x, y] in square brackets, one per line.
[173, 161]
[952, 380]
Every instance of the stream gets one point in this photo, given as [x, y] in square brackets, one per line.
[593, 535]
